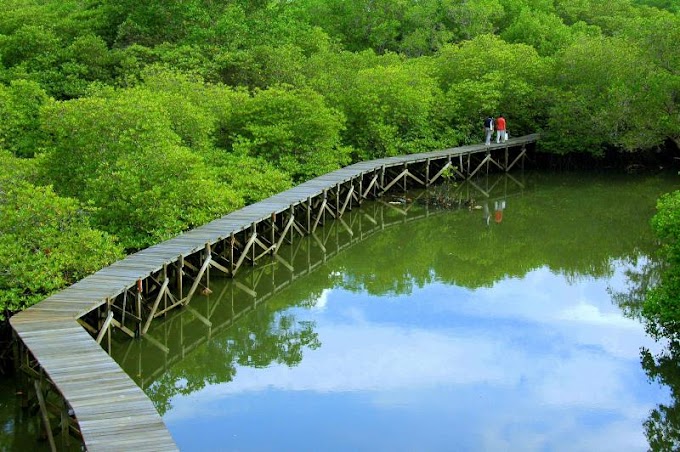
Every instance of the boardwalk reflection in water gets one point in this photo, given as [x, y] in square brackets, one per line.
[435, 333]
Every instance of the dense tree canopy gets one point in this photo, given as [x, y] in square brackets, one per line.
[148, 118]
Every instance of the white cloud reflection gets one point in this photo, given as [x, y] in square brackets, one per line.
[575, 359]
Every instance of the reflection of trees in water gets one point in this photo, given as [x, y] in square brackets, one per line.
[259, 339]
[574, 227]
[550, 227]
[639, 281]
[662, 427]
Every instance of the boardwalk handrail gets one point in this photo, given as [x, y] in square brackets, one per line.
[57, 336]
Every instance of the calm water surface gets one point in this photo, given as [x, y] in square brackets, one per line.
[508, 326]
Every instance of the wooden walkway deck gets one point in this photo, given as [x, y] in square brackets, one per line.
[61, 336]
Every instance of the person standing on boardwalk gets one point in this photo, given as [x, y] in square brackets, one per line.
[488, 130]
[500, 130]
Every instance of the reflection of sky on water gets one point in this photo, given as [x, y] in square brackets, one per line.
[531, 364]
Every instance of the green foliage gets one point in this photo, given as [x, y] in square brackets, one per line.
[20, 104]
[414, 28]
[120, 153]
[147, 197]
[59, 48]
[606, 96]
[545, 32]
[389, 110]
[662, 306]
[487, 76]
[670, 5]
[262, 65]
[293, 128]
[46, 241]
[253, 179]
[204, 106]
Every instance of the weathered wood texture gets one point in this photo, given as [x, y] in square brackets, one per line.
[111, 410]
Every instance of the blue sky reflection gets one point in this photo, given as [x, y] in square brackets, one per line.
[536, 363]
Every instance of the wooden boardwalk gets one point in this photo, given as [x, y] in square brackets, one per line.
[60, 337]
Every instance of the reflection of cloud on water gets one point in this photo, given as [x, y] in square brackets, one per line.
[527, 365]
[393, 368]
[587, 313]
[385, 359]
[322, 301]
[582, 312]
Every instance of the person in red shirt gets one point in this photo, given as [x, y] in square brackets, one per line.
[500, 130]
[498, 206]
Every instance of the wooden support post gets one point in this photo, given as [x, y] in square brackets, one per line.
[427, 172]
[309, 214]
[207, 253]
[337, 199]
[272, 234]
[324, 206]
[138, 329]
[180, 276]
[122, 318]
[382, 177]
[43, 412]
[354, 193]
[223, 269]
[109, 304]
[165, 277]
[232, 241]
[65, 425]
[361, 191]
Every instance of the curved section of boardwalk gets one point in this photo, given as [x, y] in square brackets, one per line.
[61, 335]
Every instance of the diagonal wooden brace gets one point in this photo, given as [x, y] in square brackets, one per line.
[197, 281]
[245, 252]
[156, 302]
[440, 172]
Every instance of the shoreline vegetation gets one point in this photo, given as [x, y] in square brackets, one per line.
[124, 124]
